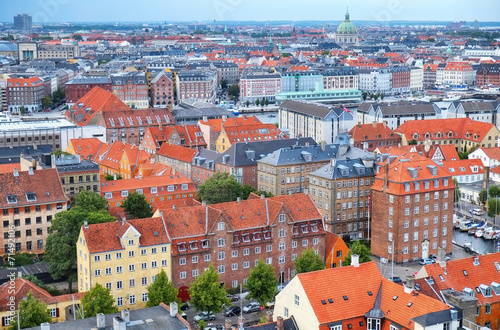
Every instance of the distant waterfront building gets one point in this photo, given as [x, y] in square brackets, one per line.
[22, 22]
[347, 33]
[340, 77]
[300, 81]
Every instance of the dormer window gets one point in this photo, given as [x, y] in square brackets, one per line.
[295, 230]
[130, 242]
[236, 238]
[181, 246]
[314, 227]
[256, 236]
[11, 199]
[469, 291]
[305, 229]
[246, 237]
[267, 234]
[31, 197]
[485, 290]
[204, 243]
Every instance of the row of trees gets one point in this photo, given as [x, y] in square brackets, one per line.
[57, 96]
[374, 96]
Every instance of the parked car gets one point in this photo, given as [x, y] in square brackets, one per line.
[476, 212]
[205, 316]
[233, 311]
[396, 279]
[426, 261]
[233, 297]
[185, 306]
[270, 304]
[251, 307]
[434, 257]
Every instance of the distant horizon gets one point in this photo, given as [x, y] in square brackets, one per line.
[383, 11]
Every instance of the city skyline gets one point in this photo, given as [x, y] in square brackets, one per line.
[45, 11]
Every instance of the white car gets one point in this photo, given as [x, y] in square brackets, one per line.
[251, 307]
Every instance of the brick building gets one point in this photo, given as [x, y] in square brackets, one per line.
[131, 88]
[234, 236]
[341, 191]
[162, 90]
[400, 80]
[25, 92]
[196, 85]
[413, 209]
[488, 74]
[29, 201]
[81, 85]
[372, 136]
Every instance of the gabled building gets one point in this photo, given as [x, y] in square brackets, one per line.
[486, 112]
[357, 297]
[162, 89]
[371, 136]
[17, 290]
[177, 157]
[417, 219]
[233, 236]
[488, 75]
[123, 256]
[87, 148]
[489, 156]
[476, 277]
[465, 170]
[335, 250]
[246, 133]
[29, 201]
[462, 133]
[132, 88]
[189, 136]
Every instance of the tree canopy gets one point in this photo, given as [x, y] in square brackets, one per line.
[262, 283]
[136, 206]
[493, 207]
[494, 191]
[308, 261]
[234, 91]
[206, 292]
[220, 188]
[46, 102]
[161, 291]
[483, 196]
[60, 250]
[98, 300]
[32, 313]
[361, 249]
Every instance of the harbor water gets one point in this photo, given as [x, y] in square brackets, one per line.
[480, 245]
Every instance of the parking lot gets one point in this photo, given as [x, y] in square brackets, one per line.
[248, 319]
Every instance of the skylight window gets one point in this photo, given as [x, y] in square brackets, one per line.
[330, 300]
[323, 302]
[11, 199]
[465, 272]
[31, 197]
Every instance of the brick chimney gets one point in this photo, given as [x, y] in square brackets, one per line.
[279, 323]
[269, 317]
[486, 177]
[385, 186]
[227, 324]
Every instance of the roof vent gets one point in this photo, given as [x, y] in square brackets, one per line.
[476, 261]
[395, 297]
[155, 233]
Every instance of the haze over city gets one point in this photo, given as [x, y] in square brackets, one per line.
[254, 10]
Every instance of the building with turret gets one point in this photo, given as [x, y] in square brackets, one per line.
[347, 33]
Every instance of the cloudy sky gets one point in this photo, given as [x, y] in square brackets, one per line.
[296, 10]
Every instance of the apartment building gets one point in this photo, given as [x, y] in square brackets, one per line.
[340, 78]
[259, 85]
[162, 89]
[341, 191]
[300, 81]
[131, 88]
[25, 93]
[77, 174]
[198, 85]
[79, 86]
[125, 257]
[374, 135]
[418, 216]
[246, 133]
[29, 201]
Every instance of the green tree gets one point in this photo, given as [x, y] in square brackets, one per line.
[58, 95]
[161, 291]
[494, 191]
[413, 143]
[206, 292]
[267, 102]
[32, 313]
[257, 102]
[364, 95]
[262, 283]
[309, 261]
[224, 83]
[22, 110]
[234, 91]
[98, 300]
[483, 197]
[220, 188]
[361, 249]
[325, 52]
[20, 259]
[60, 250]
[382, 96]
[46, 102]
[90, 201]
[77, 37]
[458, 193]
[247, 189]
[493, 207]
[247, 103]
[431, 40]
[137, 207]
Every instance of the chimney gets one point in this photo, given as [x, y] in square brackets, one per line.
[291, 193]
[454, 314]
[175, 207]
[16, 172]
[85, 224]
[374, 124]
[101, 321]
[119, 323]
[173, 171]
[359, 124]
[114, 176]
[19, 274]
[332, 162]
[126, 315]
[440, 257]
[45, 326]
[269, 317]
[224, 117]
[386, 176]
[355, 260]
[279, 323]
[160, 126]
[227, 324]
[262, 196]
[410, 284]
[239, 200]
[124, 219]
[486, 177]
[306, 191]
[173, 309]
[152, 160]
[205, 119]
[203, 203]
[385, 123]
[323, 146]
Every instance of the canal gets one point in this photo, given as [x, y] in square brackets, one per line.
[479, 245]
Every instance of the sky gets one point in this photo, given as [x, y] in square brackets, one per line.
[239, 10]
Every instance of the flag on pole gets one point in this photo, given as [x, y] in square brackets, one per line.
[345, 109]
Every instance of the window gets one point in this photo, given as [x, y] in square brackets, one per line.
[131, 254]
[281, 259]
[144, 265]
[297, 300]
[221, 269]
[131, 268]
[220, 226]
[119, 269]
[130, 242]
[234, 266]
[144, 297]
[182, 275]
[131, 283]
[195, 259]
[97, 272]
[108, 271]
[97, 258]
[305, 242]
[119, 285]
[282, 232]
[285, 312]
[246, 264]
[182, 261]
[373, 324]
[119, 301]
[207, 257]
[487, 309]
[221, 242]
[132, 299]
[257, 249]
[221, 255]
[269, 261]
[194, 273]
[282, 217]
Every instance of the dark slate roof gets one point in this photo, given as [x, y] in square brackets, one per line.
[308, 108]
[160, 316]
[376, 311]
[355, 169]
[288, 324]
[84, 166]
[401, 109]
[89, 80]
[436, 318]
[13, 155]
[136, 77]
[192, 114]
[478, 106]
[205, 158]
[247, 154]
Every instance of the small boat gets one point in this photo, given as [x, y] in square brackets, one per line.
[475, 227]
[491, 233]
[236, 112]
[271, 116]
[471, 228]
[458, 222]
[480, 231]
[466, 225]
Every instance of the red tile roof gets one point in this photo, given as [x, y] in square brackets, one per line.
[464, 167]
[461, 273]
[177, 152]
[114, 155]
[371, 132]
[9, 168]
[492, 153]
[257, 132]
[216, 124]
[89, 148]
[32, 81]
[45, 184]
[23, 286]
[152, 231]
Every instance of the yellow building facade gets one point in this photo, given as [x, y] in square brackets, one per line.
[125, 257]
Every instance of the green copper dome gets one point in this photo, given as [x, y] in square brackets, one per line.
[347, 27]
